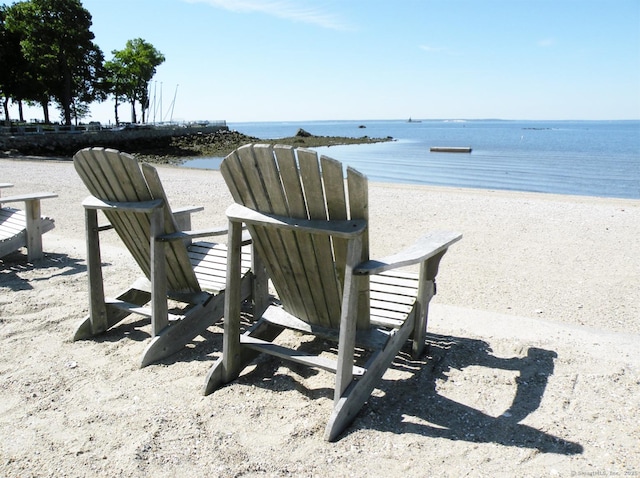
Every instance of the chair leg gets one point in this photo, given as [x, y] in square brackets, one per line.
[34, 230]
[159, 306]
[426, 291]
[102, 316]
[113, 315]
[220, 373]
[229, 366]
[174, 337]
[349, 404]
[347, 336]
[97, 306]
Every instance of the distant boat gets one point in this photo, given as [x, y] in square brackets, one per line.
[450, 149]
[413, 121]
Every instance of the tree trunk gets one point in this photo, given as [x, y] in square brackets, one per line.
[117, 103]
[133, 112]
[66, 97]
[20, 111]
[67, 114]
[5, 107]
[144, 106]
[45, 110]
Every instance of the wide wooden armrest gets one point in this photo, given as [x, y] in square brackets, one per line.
[182, 216]
[424, 248]
[93, 202]
[186, 210]
[345, 229]
[174, 236]
[215, 231]
[27, 197]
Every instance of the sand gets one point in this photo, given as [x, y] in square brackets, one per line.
[533, 366]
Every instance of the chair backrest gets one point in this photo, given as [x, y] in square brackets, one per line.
[114, 176]
[307, 270]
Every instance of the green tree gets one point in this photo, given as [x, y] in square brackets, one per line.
[130, 72]
[115, 78]
[15, 75]
[8, 44]
[88, 84]
[57, 42]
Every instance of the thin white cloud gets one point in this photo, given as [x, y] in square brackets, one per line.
[546, 42]
[294, 10]
[432, 49]
[438, 49]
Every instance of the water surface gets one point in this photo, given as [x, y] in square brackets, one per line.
[592, 158]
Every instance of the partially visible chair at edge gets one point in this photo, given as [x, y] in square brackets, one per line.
[192, 274]
[312, 236]
[23, 228]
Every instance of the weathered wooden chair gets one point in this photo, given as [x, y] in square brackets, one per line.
[190, 274]
[23, 228]
[312, 236]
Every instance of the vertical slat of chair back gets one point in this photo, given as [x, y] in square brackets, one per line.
[336, 209]
[114, 176]
[307, 270]
[180, 274]
[359, 208]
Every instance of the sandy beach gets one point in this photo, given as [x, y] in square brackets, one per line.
[533, 367]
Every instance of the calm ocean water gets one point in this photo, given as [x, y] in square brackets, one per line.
[589, 158]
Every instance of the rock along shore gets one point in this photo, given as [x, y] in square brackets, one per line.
[168, 148]
[223, 142]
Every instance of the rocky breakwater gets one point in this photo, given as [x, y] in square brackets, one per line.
[223, 142]
[160, 145]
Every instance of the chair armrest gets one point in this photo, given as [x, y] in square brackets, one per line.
[215, 231]
[424, 248]
[174, 236]
[92, 202]
[28, 197]
[344, 229]
[6, 185]
[187, 210]
[182, 216]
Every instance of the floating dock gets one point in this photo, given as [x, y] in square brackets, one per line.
[450, 149]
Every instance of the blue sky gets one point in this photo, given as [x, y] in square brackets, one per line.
[282, 60]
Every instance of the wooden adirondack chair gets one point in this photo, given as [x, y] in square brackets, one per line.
[312, 236]
[23, 228]
[133, 200]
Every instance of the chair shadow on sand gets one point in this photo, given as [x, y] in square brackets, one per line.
[414, 405]
[439, 416]
[55, 265]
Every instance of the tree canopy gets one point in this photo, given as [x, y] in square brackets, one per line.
[48, 56]
[130, 72]
[57, 43]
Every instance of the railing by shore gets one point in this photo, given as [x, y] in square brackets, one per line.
[41, 128]
[65, 142]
